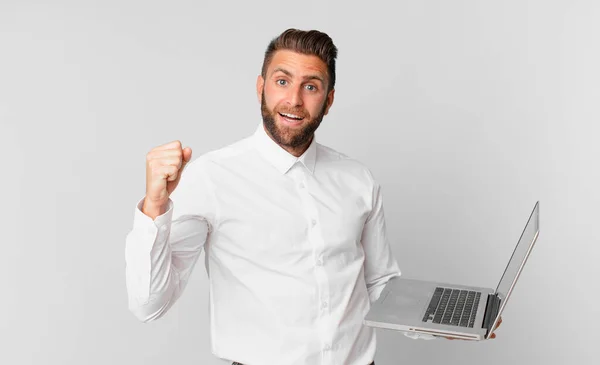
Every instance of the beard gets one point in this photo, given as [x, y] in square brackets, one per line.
[286, 136]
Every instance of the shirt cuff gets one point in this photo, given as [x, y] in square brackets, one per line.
[419, 336]
[142, 219]
[144, 225]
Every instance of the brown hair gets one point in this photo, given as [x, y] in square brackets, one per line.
[310, 42]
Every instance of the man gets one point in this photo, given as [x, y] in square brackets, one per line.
[293, 231]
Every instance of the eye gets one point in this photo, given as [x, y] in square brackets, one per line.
[311, 87]
[281, 82]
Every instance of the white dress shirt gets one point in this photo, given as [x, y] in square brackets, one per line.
[295, 252]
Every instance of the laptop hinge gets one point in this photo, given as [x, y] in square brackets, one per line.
[491, 311]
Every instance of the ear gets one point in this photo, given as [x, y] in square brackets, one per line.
[330, 97]
[260, 83]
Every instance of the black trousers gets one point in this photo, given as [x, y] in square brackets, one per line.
[239, 363]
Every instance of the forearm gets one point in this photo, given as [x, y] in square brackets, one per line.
[160, 255]
[149, 276]
[376, 286]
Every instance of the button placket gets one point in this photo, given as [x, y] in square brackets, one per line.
[316, 239]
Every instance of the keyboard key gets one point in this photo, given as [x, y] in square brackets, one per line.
[456, 307]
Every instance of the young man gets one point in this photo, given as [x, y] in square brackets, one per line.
[294, 232]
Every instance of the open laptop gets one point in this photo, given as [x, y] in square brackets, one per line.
[443, 309]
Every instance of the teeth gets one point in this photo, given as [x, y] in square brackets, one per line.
[291, 116]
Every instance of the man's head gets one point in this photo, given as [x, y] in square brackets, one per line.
[296, 86]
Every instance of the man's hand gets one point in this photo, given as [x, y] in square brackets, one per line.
[492, 336]
[164, 165]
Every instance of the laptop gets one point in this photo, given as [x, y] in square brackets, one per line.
[443, 309]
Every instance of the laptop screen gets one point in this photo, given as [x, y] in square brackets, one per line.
[520, 254]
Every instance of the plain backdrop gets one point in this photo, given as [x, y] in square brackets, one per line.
[467, 113]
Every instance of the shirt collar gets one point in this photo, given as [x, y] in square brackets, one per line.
[280, 158]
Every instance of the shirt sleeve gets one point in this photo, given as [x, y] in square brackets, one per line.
[160, 254]
[380, 264]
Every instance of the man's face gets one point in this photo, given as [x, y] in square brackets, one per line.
[294, 97]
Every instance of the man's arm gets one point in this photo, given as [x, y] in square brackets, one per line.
[380, 264]
[161, 253]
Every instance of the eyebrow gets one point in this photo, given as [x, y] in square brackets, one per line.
[308, 77]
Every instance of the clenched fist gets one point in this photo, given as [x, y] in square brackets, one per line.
[164, 165]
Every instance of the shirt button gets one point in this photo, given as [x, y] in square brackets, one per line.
[320, 262]
[301, 185]
[313, 222]
[324, 305]
[327, 347]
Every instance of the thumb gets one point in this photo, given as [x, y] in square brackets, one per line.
[187, 156]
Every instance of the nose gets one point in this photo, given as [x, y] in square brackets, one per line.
[295, 96]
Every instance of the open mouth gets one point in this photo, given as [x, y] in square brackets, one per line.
[291, 118]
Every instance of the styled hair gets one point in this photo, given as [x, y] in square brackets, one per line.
[310, 42]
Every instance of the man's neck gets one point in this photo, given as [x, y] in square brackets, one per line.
[297, 151]
[294, 151]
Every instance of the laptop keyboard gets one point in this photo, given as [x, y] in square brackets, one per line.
[453, 307]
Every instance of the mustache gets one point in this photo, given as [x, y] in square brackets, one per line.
[299, 112]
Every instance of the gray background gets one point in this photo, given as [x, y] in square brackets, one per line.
[467, 113]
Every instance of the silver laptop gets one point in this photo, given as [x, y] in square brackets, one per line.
[443, 309]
